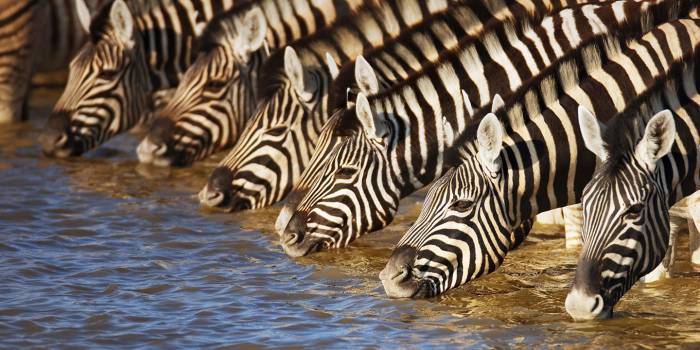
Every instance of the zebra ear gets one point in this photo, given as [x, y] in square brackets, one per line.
[123, 22]
[294, 69]
[332, 66]
[489, 137]
[592, 131]
[497, 103]
[365, 77]
[253, 31]
[374, 128]
[658, 138]
[84, 16]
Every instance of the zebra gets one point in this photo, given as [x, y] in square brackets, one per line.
[649, 161]
[31, 31]
[293, 95]
[262, 170]
[373, 164]
[508, 173]
[216, 95]
[137, 50]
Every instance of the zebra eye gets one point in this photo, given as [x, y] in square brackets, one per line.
[108, 74]
[635, 209]
[345, 172]
[215, 85]
[461, 205]
[276, 131]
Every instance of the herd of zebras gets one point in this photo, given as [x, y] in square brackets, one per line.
[510, 108]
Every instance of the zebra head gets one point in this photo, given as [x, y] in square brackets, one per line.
[626, 224]
[354, 191]
[215, 95]
[276, 144]
[108, 85]
[463, 230]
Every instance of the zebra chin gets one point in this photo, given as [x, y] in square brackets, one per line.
[398, 279]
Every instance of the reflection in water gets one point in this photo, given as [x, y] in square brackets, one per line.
[103, 251]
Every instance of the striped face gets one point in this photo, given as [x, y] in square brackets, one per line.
[343, 202]
[626, 224]
[276, 144]
[107, 90]
[202, 117]
[625, 234]
[216, 95]
[106, 94]
[269, 157]
[462, 233]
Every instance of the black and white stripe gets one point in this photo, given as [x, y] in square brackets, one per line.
[35, 36]
[262, 171]
[507, 174]
[649, 162]
[216, 96]
[277, 143]
[395, 142]
[137, 48]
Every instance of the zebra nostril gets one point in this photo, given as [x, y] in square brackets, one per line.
[291, 238]
[52, 140]
[214, 198]
[160, 149]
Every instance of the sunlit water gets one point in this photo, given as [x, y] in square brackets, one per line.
[103, 252]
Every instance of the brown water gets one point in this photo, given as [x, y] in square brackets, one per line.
[103, 252]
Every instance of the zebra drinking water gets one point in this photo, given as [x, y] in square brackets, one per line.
[394, 143]
[136, 49]
[216, 96]
[277, 143]
[649, 161]
[534, 163]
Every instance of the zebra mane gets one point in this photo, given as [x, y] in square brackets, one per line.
[215, 28]
[100, 24]
[542, 89]
[272, 74]
[624, 130]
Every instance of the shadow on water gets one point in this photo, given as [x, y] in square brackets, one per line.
[104, 252]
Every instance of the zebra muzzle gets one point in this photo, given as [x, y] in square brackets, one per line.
[397, 277]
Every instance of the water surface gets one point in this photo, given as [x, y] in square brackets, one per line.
[103, 252]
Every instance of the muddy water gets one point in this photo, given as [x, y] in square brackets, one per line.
[103, 252]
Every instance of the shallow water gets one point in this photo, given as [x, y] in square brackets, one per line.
[104, 252]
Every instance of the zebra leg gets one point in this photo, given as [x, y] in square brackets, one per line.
[693, 222]
[573, 224]
[663, 270]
